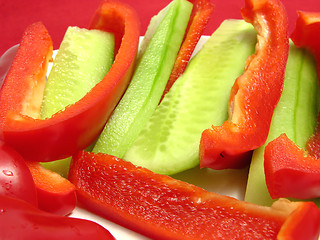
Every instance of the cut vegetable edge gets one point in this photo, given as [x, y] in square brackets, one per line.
[155, 197]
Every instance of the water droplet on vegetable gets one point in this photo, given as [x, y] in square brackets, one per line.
[7, 173]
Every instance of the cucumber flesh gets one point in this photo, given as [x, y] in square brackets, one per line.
[295, 115]
[84, 58]
[199, 98]
[148, 82]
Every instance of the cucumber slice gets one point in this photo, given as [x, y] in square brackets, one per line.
[295, 115]
[84, 58]
[199, 98]
[148, 82]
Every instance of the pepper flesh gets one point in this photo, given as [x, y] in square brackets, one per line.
[200, 15]
[22, 220]
[161, 207]
[290, 171]
[254, 94]
[24, 83]
[303, 223]
[55, 193]
[76, 126]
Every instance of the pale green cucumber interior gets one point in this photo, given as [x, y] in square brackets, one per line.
[295, 115]
[84, 58]
[199, 98]
[148, 82]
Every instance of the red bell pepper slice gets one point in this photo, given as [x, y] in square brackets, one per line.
[200, 15]
[302, 223]
[20, 220]
[15, 178]
[161, 207]
[76, 126]
[254, 94]
[55, 194]
[290, 171]
[24, 83]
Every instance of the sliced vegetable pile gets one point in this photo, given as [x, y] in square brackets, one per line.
[154, 65]
[119, 113]
[76, 126]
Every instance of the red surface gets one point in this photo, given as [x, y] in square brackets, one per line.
[57, 15]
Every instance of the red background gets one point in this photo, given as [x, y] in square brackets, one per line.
[57, 15]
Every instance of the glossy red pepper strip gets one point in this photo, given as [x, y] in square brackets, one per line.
[200, 15]
[15, 178]
[55, 193]
[24, 83]
[20, 220]
[161, 207]
[254, 94]
[76, 126]
[290, 171]
[303, 223]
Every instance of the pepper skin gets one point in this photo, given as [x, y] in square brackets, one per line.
[55, 193]
[200, 15]
[161, 207]
[20, 220]
[15, 178]
[254, 94]
[290, 171]
[75, 127]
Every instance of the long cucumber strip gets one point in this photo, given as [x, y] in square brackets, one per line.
[199, 98]
[84, 58]
[295, 115]
[148, 82]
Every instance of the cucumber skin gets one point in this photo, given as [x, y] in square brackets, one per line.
[295, 115]
[147, 84]
[214, 69]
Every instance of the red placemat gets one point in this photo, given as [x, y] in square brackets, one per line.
[57, 15]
